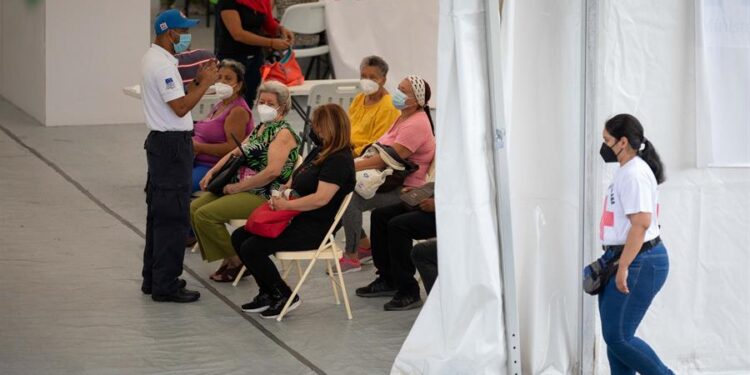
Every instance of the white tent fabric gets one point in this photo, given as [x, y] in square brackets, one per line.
[371, 27]
[641, 58]
[545, 119]
[722, 60]
[460, 329]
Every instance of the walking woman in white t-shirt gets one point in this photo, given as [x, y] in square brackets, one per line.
[629, 226]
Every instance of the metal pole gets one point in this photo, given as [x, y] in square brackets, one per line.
[500, 155]
[590, 183]
[582, 182]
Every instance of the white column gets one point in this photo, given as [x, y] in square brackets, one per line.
[22, 77]
[65, 62]
[94, 48]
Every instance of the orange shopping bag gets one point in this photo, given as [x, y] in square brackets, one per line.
[286, 70]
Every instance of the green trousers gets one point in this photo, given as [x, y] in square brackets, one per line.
[209, 215]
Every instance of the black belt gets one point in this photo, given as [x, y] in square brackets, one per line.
[172, 133]
[646, 246]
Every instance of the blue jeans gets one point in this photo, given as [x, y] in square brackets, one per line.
[622, 313]
[199, 171]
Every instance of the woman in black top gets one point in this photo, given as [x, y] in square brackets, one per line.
[321, 182]
[243, 29]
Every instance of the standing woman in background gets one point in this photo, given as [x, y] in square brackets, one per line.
[630, 229]
[243, 29]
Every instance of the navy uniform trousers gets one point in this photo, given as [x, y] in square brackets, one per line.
[170, 165]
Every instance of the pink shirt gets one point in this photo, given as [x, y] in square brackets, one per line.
[212, 131]
[415, 134]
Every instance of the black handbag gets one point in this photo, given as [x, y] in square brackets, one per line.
[227, 172]
[396, 179]
[597, 274]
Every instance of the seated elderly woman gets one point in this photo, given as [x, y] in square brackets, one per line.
[411, 136]
[272, 150]
[371, 114]
[372, 111]
[231, 117]
[321, 182]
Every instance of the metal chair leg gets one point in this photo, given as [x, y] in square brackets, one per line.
[332, 279]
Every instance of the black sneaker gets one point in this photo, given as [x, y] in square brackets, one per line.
[274, 310]
[377, 288]
[401, 302]
[260, 303]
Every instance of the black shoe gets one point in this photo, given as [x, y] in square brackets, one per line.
[401, 302]
[277, 305]
[146, 288]
[260, 303]
[181, 296]
[377, 288]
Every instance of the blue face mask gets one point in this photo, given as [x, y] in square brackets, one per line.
[183, 44]
[398, 98]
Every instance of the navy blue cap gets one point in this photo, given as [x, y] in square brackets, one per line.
[172, 19]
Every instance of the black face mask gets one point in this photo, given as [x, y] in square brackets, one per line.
[315, 139]
[607, 154]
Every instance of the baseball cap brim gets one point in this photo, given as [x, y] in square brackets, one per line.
[186, 23]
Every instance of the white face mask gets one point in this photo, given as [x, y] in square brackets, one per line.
[267, 113]
[369, 86]
[223, 90]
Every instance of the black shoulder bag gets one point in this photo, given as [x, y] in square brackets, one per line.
[227, 172]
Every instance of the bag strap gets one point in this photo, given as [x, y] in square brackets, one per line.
[239, 145]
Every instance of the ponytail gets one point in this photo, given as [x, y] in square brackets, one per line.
[651, 157]
[429, 117]
[426, 107]
[625, 125]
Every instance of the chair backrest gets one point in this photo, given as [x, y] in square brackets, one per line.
[340, 93]
[307, 18]
[431, 172]
[337, 218]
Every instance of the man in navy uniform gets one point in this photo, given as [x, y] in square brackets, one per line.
[169, 151]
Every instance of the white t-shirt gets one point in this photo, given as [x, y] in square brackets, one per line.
[633, 190]
[162, 83]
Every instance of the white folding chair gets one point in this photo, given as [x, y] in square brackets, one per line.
[341, 93]
[330, 252]
[310, 18]
[431, 171]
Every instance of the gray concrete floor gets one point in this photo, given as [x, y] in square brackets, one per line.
[71, 229]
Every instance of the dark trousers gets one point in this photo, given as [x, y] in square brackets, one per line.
[170, 165]
[424, 256]
[255, 250]
[252, 72]
[392, 232]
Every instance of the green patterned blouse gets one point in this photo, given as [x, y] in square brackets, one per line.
[256, 150]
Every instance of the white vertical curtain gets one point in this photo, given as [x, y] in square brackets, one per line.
[460, 329]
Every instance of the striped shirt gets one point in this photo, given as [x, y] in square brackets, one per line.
[189, 61]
